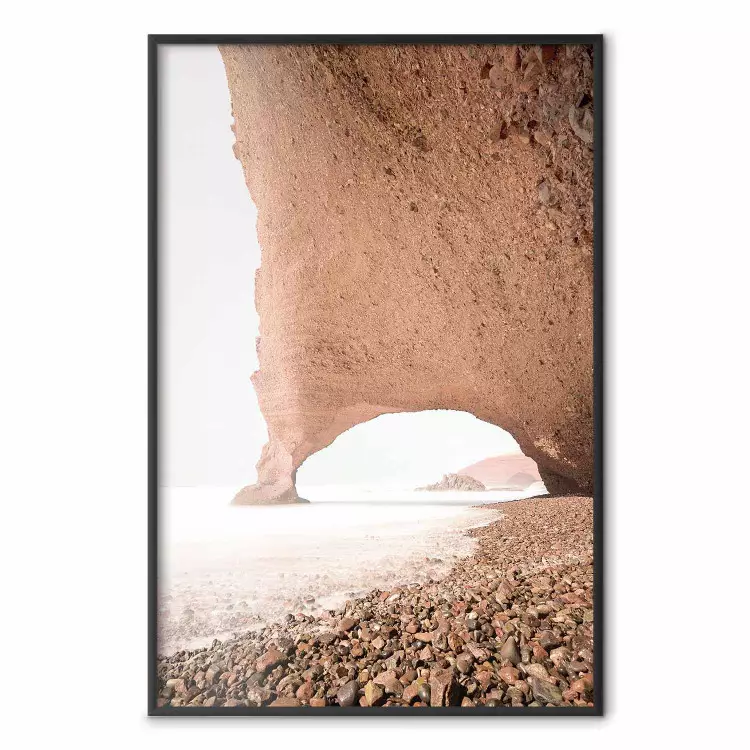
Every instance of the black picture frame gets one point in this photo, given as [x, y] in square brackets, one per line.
[597, 42]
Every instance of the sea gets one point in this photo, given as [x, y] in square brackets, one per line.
[225, 569]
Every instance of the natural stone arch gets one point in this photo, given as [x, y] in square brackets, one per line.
[280, 460]
[426, 236]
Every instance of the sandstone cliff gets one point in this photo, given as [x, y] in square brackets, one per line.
[425, 220]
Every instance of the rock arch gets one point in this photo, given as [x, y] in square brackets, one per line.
[425, 218]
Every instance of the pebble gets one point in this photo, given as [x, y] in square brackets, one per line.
[270, 659]
[545, 691]
[536, 670]
[583, 685]
[285, 701]
[347, 623]
[305, 691]
[425, 693]
[411, 691]
[509, 675]
[390, 682]
[373, 694]
[347, 695]
[548, 640]
[510, 651]
[464, 663]
[258, 695]
[442, 687]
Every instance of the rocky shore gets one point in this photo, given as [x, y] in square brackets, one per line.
[510, 626]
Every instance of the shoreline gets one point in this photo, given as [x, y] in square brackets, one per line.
[225, 571]
[510, 625]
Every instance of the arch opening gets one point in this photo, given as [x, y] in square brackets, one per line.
[407, 451]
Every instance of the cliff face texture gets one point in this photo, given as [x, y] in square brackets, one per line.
[425, 219]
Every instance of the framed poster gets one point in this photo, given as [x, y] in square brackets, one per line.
[375, 375]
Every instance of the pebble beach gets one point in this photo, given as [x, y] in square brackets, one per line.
[511, 625]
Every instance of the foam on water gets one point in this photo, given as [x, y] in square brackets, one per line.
[224, 569]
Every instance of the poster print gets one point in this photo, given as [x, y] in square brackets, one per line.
[376, 375]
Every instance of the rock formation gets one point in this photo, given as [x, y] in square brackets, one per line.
[456, 483]
[425, 219]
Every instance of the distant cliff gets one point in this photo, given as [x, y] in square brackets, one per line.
[515, 470]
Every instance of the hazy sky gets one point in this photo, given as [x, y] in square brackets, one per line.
[211, 428]
[406, 449]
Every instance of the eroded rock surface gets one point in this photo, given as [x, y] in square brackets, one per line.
[425, 219]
